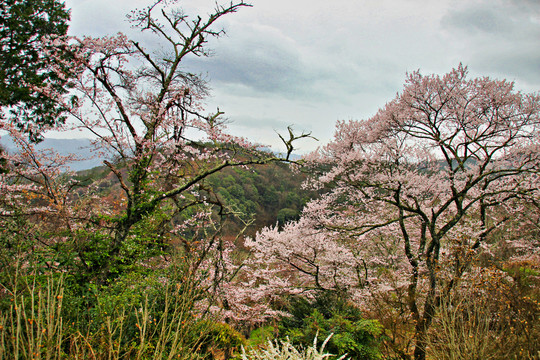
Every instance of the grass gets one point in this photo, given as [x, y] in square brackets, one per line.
[35, 326]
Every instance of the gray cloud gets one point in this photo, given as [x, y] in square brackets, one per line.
[260, 66]
[523, 66]
[479, 18]
[312, 62]
[499, 38]
[505, 18]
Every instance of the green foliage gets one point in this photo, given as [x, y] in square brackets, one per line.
[23, 61]
[329, 314]
[270, 194]
[285, 215]
[262, 335]
[18, 245]
[221, 340]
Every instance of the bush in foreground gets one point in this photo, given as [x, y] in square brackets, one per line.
[284, 350]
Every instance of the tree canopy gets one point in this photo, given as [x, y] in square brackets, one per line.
[27, 30]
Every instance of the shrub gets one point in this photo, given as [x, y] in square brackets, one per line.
[221, 340]
[262, 335]
[284, 350]
[330, 314]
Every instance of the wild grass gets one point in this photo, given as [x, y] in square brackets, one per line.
[36, 326]
[468, 328]
[32, 328]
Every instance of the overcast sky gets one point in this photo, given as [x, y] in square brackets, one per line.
[308, 63]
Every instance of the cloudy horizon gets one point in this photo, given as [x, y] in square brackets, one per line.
[309, 63]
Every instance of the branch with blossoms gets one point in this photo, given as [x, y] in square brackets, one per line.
[147, 116]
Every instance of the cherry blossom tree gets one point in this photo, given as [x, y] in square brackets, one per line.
[145, 110]
[414, 196]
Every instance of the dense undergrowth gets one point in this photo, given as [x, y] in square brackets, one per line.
[139, 318]
[156, 312]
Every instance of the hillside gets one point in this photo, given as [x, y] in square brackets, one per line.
[78, 147]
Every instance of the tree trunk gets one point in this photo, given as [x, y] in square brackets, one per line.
[420, 346]
[423, 325]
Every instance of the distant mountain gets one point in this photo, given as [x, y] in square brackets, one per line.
[80, 147]
[293, 156]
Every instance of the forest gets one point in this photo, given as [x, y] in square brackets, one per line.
[413, 234]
